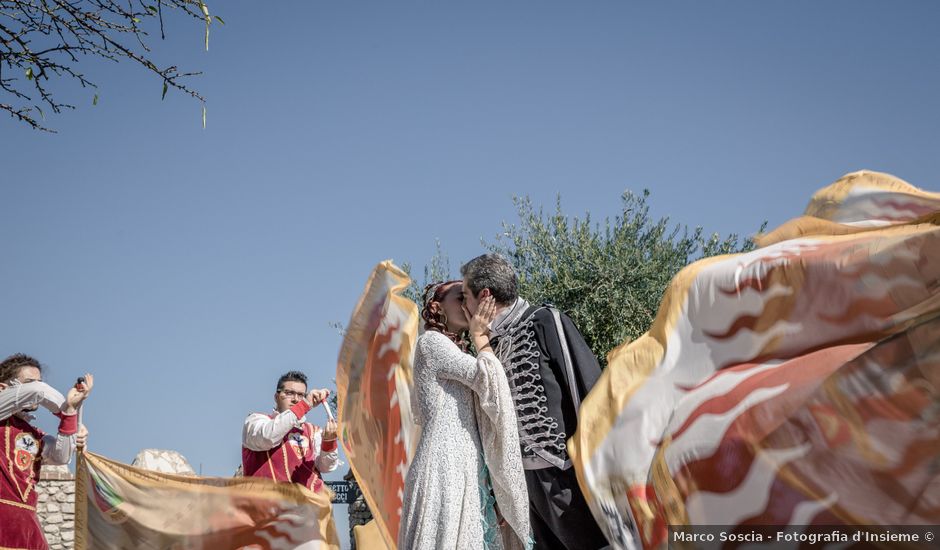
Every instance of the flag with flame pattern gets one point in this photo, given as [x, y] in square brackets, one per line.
[373, 379]
[120, 507]
[795, 384]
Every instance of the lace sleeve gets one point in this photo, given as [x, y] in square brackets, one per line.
[446, 359]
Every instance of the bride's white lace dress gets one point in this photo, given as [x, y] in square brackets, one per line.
[462, 402]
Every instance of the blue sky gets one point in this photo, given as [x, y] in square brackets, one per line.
[188, 268]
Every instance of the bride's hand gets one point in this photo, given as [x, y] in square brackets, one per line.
[480, 322]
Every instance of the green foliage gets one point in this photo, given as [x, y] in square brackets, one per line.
[437, 270]
[333, 399]
[609, 277]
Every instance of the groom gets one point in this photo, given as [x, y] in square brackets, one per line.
[550, 370]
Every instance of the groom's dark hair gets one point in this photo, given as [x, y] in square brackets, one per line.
[494, 272]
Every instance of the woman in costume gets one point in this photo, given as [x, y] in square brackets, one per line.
[465, 488]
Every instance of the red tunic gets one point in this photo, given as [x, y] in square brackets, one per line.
[292, 461]
[21, 447]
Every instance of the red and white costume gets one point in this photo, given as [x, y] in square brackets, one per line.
[24, 450]
[287, 448]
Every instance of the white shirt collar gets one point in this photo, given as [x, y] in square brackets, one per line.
[506, 312]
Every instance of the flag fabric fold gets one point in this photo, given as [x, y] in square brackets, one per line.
[119, 507]
[795, 384]
[374, 381]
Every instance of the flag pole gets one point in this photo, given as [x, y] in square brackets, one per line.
[81, 409]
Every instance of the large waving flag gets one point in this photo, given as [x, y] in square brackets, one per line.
[792, 385]
[119, 507]
[373, 379]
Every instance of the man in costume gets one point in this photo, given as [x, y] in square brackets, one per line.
[25, 448]
[285, 447]
[550, 370]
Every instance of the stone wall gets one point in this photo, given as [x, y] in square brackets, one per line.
[359, 513]
[56, 510]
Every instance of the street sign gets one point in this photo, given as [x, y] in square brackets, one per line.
[340, 491]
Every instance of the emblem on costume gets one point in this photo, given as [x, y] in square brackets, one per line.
[26, 448]
[299, 443]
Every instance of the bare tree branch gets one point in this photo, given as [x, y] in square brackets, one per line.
[43, 43]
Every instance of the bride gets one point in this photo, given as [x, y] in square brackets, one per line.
[465, 488]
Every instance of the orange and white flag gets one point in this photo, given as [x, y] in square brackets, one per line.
[373, 379]
[796, 384]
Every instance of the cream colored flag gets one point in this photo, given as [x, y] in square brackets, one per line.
[795, 384]
[119, 507]
[369, 536]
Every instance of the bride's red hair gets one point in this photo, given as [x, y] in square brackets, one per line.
[433, 313]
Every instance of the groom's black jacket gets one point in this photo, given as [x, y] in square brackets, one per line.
[535, 345]
[559, 515]
[562, 393]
